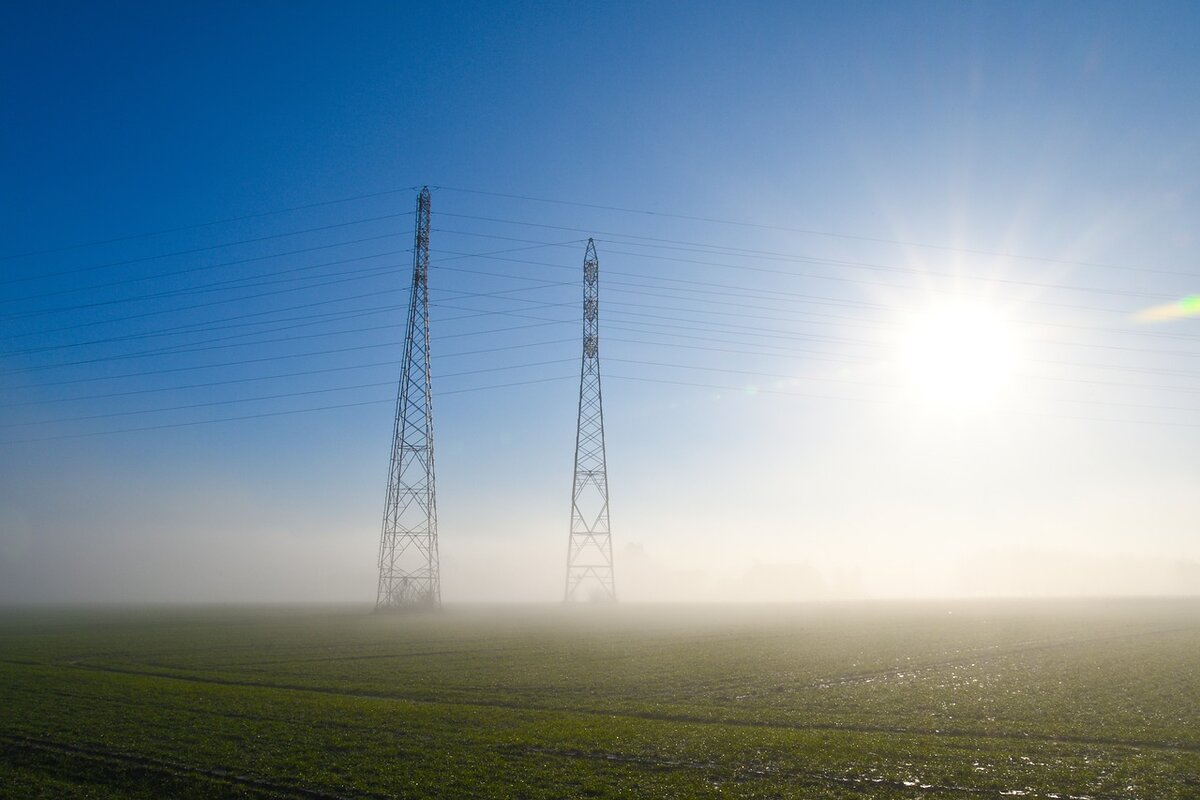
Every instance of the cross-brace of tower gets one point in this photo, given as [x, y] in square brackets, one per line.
[408, 547]
[589, 553]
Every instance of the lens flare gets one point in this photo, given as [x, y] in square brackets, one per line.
[1180, 309]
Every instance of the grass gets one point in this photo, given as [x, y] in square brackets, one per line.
[1071, 699]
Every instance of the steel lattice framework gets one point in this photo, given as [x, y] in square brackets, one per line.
[408, 546]
[589, 552]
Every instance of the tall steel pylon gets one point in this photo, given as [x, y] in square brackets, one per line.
[589, 552]
[408, 546]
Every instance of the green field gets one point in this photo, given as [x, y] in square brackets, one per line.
[1072, 699]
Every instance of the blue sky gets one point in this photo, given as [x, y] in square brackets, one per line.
[889, 159]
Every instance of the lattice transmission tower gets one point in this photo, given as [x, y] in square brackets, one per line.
[589, 553]
[408, 546]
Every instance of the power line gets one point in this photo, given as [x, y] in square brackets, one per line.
[668, 322]
[848, 264]
[880, 401]
[207, 326]
[780, 351]
[227, 284]
[745, 330]
[712, 249]
[789, 352]
[813, 232]
[540, 244]
[722, 387]
[786, 293]
[730, 329]
[619, 209]
[191, 328]
[772, 333]
[474, 312]
[230, 283]
[784, 351]
[207, 384]
[861, 322]
[277, 413]
[278, 396]
[184, 349]
[206, 248]
[196, 226]
[872, 384]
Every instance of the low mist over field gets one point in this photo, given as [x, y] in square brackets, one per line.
[529, 570]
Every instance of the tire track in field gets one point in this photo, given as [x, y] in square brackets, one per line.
[1186, 747]
[983, 657]
[739, 773]
[178, 769]
[252, 665]
[406, 654]
[141, 704]
[860, 783]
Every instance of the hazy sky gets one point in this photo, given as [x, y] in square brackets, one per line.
[883, 334]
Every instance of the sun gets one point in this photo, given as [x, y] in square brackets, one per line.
[959, 355]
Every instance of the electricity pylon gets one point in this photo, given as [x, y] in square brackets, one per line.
[589, 552]
[408, 547]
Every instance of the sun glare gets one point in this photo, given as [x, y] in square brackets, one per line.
[959, 355]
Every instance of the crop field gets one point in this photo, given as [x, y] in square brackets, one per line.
[1070, 699]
